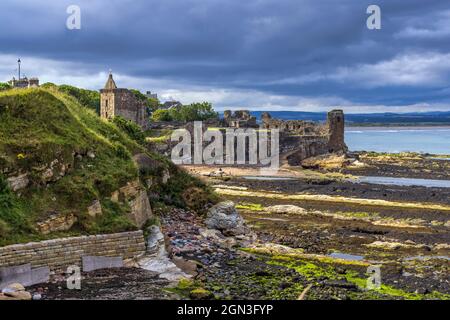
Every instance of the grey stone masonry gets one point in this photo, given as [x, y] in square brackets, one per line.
[58, 254]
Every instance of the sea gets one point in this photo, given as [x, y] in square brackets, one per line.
[433, 140]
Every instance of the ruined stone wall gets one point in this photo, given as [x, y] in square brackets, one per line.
[107, 104]
[296, 127]
[239, 119]
[297, 148]
[122, 102]
[336, 131]
[60, 253]
[304, 139]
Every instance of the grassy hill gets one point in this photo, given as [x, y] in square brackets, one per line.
[69, 158]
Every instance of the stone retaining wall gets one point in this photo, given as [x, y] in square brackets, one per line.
[60, 253]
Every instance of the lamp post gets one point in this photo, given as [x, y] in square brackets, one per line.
[19, 62]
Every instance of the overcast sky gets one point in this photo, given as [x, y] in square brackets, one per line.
[309, 55]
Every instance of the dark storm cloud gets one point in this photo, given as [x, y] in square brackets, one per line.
[289, 48]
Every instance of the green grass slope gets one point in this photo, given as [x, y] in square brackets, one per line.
[52, 138]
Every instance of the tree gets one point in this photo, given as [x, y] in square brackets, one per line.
[139, 95]
[161, 115]
[153, 105]
[193, 112]
[197, 112]
[88, 98]
[4, 86]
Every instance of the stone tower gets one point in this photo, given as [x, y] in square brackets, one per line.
[122, 102]
[336, 129]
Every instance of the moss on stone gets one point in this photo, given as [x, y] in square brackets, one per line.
[250, 206]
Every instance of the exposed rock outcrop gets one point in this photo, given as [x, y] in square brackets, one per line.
[327, 161]
[95, 209]
[137, 198]
[141, 210]
[56, 222]
[19, 182]
[157, 258]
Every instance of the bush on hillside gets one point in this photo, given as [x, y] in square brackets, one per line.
[161, 115]
[4, 86]
[130, 128]
[87, 98]
[194, 112]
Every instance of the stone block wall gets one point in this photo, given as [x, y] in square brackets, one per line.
[57, 254]
[122, 102]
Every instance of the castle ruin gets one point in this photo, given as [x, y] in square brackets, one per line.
[299, 139]
[239, 119]
[124, 103]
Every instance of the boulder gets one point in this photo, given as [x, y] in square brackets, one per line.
[165, 176]
[155, 239]
[224, 217]
[286, 209]
[95, 209]
[19, 182]
[141, 210]
[15, 291]
[19, 295]
[187, 266]
[14, 287]
[136, 196]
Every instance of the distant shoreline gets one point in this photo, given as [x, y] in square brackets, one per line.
[419, 124]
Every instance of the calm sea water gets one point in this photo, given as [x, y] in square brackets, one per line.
[435, 140]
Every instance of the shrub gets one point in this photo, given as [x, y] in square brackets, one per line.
[6, 199]
[4, 229]
[122, 152]
[4, 86]
[161, 115]
[130, 128]
[88, 98]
